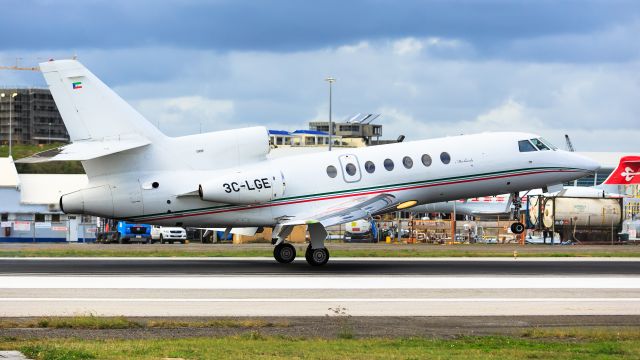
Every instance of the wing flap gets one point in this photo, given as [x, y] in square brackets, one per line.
[353, 209]
[87, 149]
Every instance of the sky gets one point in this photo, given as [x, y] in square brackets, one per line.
[430, 68]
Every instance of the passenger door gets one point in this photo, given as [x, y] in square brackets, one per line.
[350, 168]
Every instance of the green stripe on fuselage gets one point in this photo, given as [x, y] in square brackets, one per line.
[358, 190]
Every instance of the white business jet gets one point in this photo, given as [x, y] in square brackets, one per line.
[225, 179]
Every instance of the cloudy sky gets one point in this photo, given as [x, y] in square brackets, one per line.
[431, 68]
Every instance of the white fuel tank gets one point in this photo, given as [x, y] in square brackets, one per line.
[358, 227]
[582, 212]
[244, 187]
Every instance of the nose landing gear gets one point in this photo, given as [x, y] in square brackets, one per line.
[517, 227]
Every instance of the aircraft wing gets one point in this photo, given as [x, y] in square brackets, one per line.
[247, 231]
[87, 149]
[355, 208]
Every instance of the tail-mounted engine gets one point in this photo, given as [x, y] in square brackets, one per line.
[244, 188]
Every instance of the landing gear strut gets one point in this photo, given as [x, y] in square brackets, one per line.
[317, 254]
[285, 253]
[517, 227]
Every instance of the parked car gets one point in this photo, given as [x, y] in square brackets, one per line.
[124, 233]
[168, 234]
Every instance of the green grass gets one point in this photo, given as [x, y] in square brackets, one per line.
[253, 345]
[121, 322]
[60, 167]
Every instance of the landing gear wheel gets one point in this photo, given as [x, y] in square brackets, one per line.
[317, 257]
[284, 253]
[517, 228]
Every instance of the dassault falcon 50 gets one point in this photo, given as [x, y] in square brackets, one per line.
[226, 178]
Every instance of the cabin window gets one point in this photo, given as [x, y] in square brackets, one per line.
[350, 169]
[526, 146]
[370, 167]
[407, 162]
[388, 164]
[332, 171]
[445, 158]
[426, 160]
[539, 144]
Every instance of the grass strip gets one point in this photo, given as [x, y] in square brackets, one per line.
[253, 345]
[121, 322]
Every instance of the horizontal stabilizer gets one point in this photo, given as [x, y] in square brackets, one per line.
[87, 149]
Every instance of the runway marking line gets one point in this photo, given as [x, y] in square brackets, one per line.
[317, 282]
[377, 300]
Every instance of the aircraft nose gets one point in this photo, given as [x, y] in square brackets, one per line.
[582, 162]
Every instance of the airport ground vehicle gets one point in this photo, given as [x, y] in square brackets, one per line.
[123, 233]
[361, 231]
[168, 234]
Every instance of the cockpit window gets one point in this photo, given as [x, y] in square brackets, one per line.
[526, 146]
[550, 145]
[539, 144]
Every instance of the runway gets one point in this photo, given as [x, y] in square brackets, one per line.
[336, 266]
[364, 287]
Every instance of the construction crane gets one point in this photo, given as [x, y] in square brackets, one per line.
[35, 68]
[18, 67]
[569, 144]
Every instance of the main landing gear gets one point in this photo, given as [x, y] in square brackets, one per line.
[316, 254]
[517, 227]
[284, 253]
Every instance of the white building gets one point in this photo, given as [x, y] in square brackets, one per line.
[29, 209]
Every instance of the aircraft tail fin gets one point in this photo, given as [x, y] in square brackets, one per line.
[89, 108]
[627, 172]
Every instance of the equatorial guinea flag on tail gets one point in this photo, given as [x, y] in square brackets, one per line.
[627, 172]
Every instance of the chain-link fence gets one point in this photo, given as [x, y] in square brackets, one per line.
[69, 230]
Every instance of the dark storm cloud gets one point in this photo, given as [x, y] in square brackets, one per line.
[290, 25]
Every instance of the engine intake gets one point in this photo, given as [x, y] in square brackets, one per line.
[95, 201]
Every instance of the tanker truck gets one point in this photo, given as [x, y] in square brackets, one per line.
[578, 219]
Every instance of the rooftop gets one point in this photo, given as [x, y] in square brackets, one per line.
[311, 132]
[8, 173]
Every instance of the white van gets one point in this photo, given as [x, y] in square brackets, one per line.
[167, 234]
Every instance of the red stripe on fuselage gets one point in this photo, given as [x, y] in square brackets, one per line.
[350, 195]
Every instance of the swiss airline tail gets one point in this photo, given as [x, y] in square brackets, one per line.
[627, 172]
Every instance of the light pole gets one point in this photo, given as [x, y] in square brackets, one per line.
[2, 95]
[10, 132]
[331, 80]
[49, 133]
